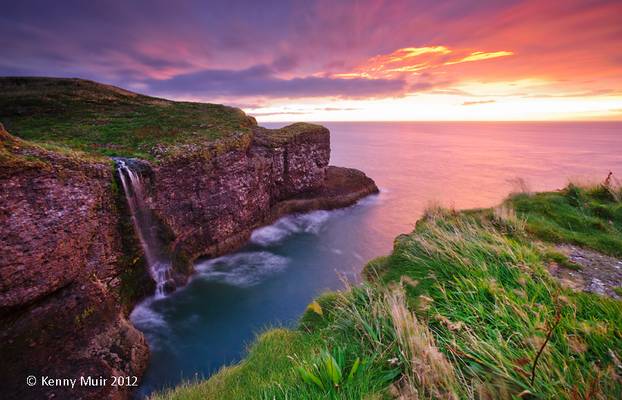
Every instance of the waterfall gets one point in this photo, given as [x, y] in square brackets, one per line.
[145, 227]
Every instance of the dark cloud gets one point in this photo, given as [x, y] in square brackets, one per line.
[118, 41]
[286, 62]
[260, 80]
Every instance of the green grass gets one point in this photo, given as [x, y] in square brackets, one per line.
[589, 217]
[490, 302]
[459, 310]
[268, 361]
[283, 135]
[105, 120]
[17, 154]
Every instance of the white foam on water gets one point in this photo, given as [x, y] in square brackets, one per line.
[298, 223]
[269, 234]
[152, 324]
[242, 269]
[145, 318]
[373, 199]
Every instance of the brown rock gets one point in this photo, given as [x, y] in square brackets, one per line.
[213, 204]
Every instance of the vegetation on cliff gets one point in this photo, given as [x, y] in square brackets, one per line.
[590, 218]
[464, 307]
[280, 136]
[17, 154]
[102, 119]
[84, 117]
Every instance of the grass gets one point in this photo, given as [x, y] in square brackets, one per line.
[590, 217]
[283, 135]
[268, 361]
[491, 303]
[105, 120]
[20, 155]
[463, 308]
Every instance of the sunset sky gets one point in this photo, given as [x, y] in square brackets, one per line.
[336, 60]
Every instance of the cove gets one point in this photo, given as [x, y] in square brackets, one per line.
[207, 324]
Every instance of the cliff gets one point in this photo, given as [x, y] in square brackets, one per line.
[70, 262]
[212, 202]
[61, 267]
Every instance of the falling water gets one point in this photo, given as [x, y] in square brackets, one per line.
[146, 228]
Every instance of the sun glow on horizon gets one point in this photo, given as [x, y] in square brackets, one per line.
[436, 107]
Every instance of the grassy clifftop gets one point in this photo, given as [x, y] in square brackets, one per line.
[106, 120]
[465, 307]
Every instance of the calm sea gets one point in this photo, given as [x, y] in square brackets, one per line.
[208, 324]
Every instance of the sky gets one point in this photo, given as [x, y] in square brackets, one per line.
[331, 60]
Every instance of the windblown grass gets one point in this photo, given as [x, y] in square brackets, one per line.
[490, 303]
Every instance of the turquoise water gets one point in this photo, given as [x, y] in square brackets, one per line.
[208, 324]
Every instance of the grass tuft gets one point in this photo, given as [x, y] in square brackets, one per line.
[589, 217]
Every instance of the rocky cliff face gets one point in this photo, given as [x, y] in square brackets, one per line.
[213, 203]
[67, 256]
[60, 265]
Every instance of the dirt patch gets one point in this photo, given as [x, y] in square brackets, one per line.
[599, 273]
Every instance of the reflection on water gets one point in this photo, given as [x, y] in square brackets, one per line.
[207, 324]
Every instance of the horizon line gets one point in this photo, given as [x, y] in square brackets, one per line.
[446, 121]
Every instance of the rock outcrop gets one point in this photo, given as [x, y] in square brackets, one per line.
[213, 203]
[70, 265]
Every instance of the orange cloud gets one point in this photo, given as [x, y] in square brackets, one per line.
[352, 75]
[409, 52]
[412, 61]
[480, 55]
[404, 60]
